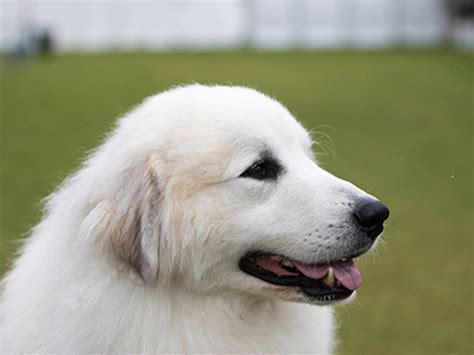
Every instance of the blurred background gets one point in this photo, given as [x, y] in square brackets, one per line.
[94, 26]
[387, 84]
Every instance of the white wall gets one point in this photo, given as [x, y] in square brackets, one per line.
[360, 23]
[166, 24]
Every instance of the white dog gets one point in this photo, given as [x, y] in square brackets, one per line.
[202, 224]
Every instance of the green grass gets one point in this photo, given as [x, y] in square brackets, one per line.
[401, 123]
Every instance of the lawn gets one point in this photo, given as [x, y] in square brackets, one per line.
[401, 127]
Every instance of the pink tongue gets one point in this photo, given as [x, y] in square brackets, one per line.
[312, 271]
[345, 271]
[347, 274]
[273, 266]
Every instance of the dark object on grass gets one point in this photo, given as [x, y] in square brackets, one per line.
[44, 43]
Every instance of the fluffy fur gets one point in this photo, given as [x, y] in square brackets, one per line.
[138, 251]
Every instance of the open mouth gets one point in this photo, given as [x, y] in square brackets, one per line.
[323, 282]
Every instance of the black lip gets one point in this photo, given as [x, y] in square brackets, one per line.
[374, 233]
[313, 289]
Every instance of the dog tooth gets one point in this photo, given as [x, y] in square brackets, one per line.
[287, 263]
[275, 257]
[329, 279]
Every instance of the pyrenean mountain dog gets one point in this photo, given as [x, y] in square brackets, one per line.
[202, 224]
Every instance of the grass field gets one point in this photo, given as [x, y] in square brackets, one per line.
[401, 125]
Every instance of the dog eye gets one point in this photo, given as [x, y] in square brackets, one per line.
[262, 170]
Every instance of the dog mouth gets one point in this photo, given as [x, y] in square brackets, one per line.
[328, 282]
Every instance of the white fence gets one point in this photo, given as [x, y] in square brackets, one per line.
[87, 25]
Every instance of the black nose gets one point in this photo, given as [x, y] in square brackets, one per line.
[371, 214]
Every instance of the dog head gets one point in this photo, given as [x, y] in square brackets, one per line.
[216, 188]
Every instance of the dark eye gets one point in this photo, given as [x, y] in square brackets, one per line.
[262, 170]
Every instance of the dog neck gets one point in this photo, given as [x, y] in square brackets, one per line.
[172, 319]
[97, 308]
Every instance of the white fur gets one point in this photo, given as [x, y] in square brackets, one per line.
[138, 251]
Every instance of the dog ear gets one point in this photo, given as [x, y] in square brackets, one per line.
[128, 224]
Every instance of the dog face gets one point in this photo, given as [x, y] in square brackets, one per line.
[234, 200]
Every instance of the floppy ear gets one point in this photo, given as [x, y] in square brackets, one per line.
[128, 223]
